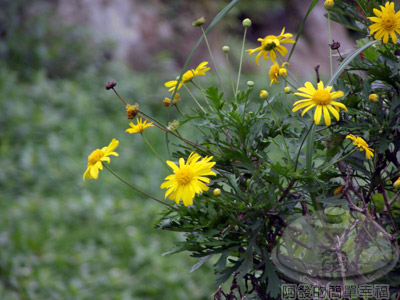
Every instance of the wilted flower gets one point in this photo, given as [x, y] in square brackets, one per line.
[362, 145]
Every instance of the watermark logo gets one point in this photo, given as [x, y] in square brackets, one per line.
[306, 291]
[341, 248]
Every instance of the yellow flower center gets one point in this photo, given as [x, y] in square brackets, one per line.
[388, 22]
[95, 156]
[322, 97]
[184, 176]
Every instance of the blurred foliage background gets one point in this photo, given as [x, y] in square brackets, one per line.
[61, 238]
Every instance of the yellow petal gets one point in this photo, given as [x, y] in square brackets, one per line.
[317, 115]
[327, 117]
[334, 112]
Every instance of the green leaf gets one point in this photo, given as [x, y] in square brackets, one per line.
[310, 149]
[274, 283]
[201, 261]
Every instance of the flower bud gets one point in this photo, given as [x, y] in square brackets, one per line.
[110, 85]
[217, 192]
[174, 125]
[225, 49]
[250, 83]
[282, 72]
[338, 190]
[264, 94]
[329, 4]
[246, 22]
[199, 22]
[373, 98]
[132, 110]
[396, 184]
[288, 89]
[167, 102]
[177, 99]
[334, 45]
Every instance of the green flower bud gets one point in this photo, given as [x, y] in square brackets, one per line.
[174, 125]
[225, 49]
[246, 22]
[373, 98]
[264, 94]
[288, 89]
[250, 83]
[329, 4]
[199, 22]
[217, 192]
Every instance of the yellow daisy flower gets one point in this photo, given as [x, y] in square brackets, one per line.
[139, 127]
[188, 76]
[188, 179]
[271, 43]
[386, 23]
[360, 143]
[322, 99]
[275, 71]
[96, 158]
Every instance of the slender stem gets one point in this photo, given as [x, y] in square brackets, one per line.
[231, 76]
[194, 98]
[289, 74]
[358, 2]
[280, 129]
[241, 61]
[335, 162]
[160, 126]
[330, 41]
[289, 83]
[154, 151]
[212, 58]
[388, 209]
[120, 98]
[301, 146]
[178, 110]
[197, 84]
[136, 189]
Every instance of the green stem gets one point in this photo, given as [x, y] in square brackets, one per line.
[231, 76]
[330, 41]
[178, 110]
[335, 162]
[196, 83]
[212, 58]
[241, 61]
[154, 151]
[136, 189]
[301, 145]
[195, 100]
[280, 129]
[289, 73]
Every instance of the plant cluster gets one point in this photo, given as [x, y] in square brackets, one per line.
[259, 163]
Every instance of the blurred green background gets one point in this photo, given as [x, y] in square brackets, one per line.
[61, 238]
